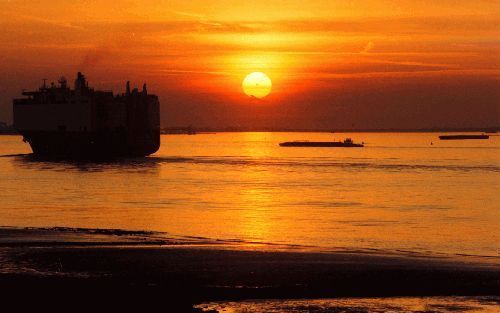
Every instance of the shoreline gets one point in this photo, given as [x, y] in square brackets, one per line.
[63, 236]
[207, 131]
[192, 270]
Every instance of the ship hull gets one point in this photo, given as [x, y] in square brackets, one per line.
[326, 144]
[463, 137]
[92, 145]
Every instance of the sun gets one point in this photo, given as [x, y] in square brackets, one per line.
[257, 84]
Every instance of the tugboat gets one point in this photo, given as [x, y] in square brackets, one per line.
[347, 143]
[59, 122]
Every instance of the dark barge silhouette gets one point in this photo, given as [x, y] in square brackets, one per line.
[347, 143]
[82, 122]
[463, 137]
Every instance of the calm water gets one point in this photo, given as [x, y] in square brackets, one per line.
[399, 193]
[362, 305]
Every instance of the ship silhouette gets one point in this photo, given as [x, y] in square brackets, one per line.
[58, 121]
[347, 143]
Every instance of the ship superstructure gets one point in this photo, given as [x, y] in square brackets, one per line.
[82, 122]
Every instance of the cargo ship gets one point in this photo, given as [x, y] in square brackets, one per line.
[61, 122]
[347, 143]
[463, 137]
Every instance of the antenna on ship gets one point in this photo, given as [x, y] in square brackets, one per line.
[144, 89]
[128, 88]
[62, 81]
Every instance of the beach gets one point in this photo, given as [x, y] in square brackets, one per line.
[190, 271]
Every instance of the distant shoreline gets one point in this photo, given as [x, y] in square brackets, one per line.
[193, 131]
[181, 130]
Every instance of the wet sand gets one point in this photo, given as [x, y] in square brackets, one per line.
[127, 268]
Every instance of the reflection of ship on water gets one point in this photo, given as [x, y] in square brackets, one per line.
[60, 122]
[463, 137]
[347, 143]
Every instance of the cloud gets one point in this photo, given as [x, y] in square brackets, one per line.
[189, 72]
[190, 14]
[49, 22]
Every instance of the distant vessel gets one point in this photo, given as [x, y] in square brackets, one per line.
[347, 143]
[60, 122]
[463, 137]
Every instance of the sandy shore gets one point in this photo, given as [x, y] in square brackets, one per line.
[181, 271]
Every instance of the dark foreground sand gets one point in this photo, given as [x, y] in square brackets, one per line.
[140, 269]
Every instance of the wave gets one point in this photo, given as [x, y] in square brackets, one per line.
[12, 236]
[318, 162]
[355, 164]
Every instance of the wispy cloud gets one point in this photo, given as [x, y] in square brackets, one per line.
[49, 22]
[188, 72]
[190, 14]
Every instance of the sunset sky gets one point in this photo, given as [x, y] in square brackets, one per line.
[333, 64]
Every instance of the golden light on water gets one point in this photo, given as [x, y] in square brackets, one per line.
[257, 84]
[245, 186]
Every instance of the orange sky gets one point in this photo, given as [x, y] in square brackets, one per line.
[334, 64]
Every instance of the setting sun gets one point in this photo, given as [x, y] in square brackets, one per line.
[257, 84]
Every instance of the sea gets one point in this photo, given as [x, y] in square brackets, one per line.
[401, 193]
[360, 305]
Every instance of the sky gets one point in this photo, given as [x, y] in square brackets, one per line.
[333, 64]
